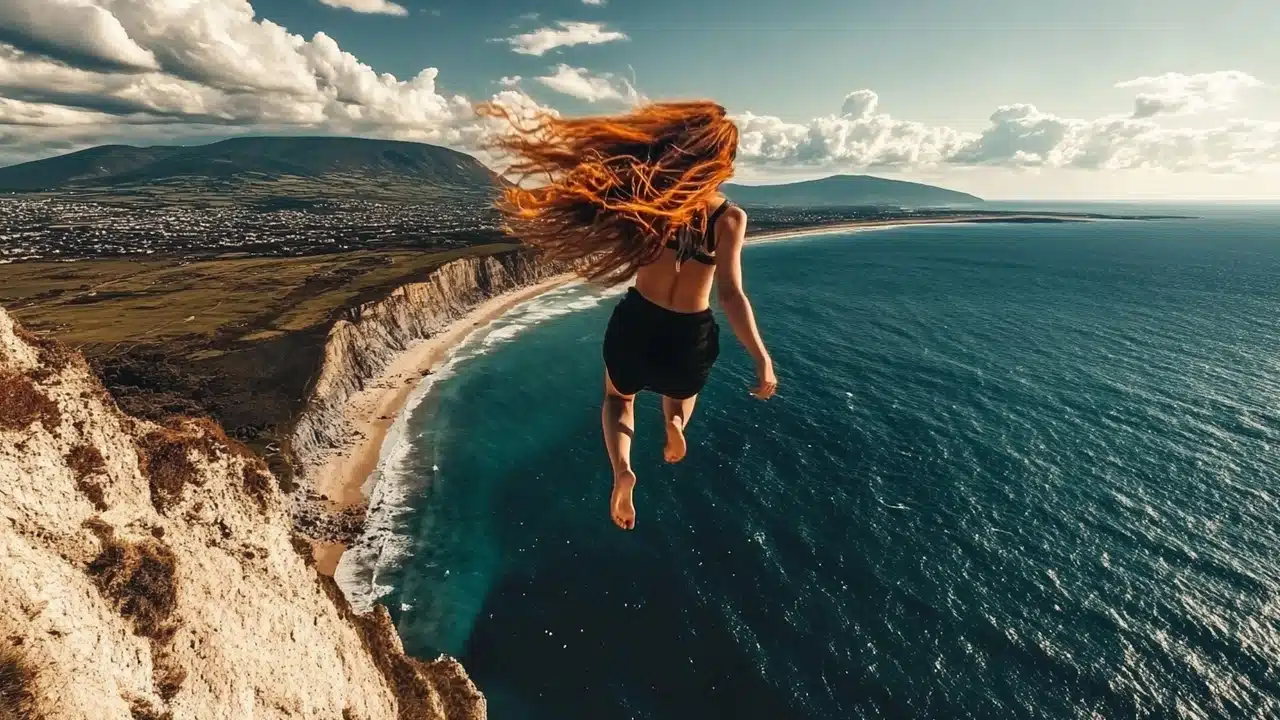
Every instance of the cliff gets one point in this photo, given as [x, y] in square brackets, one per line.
[151, 570]
[369, 336]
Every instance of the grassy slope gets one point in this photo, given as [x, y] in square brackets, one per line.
[235, 338]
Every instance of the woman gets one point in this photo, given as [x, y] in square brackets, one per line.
[637, 196]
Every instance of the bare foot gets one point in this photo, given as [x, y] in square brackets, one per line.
[676, 445]
[624, 509]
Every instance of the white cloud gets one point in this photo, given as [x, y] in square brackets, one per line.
[373, 7]
[510, 81]
[860, 104]
[75, 73]
[216, 70]
[1023, 136]
[1017, 136]
[77, 31]
[597, 3]
[580, 83]
[26, 114]
[857, 138]
[1178, 94]
[566, 34]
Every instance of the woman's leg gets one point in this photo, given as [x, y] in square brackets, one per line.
[677, 413]
[618, 418]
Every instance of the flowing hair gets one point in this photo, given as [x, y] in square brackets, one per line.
[614, 190]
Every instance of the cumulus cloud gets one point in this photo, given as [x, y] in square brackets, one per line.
[75, 73]
[597, 3]
[580, 83]
[1178, 94]
[76, 31]
[372, 7]
[860, 104]
[1017, 136]
[214, 69]
[565, 34]
[1024, 136]
[510, 81]
[859, 137]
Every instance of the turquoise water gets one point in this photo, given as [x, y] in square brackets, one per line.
[1014, 471]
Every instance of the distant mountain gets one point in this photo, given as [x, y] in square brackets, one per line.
[252, 159]
[848, 190]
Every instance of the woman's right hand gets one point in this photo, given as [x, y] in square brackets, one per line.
[766, 381]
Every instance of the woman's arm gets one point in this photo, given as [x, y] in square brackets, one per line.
[731, 232]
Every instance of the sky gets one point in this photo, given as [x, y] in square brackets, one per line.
[1081, 100]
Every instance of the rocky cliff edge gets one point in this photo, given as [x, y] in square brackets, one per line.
[151, 571]
[370, 336]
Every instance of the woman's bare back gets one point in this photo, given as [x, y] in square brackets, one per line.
[686, 290]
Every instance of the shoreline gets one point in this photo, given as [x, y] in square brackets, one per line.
[369, 415]
[854, 225]
[342, 475]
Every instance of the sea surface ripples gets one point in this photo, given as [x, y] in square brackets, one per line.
[1014, 472]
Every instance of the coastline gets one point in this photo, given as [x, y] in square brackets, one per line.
[344, 471]
[855, 225]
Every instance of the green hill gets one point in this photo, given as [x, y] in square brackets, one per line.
[254, 160]
[84, 166]
[848, 191]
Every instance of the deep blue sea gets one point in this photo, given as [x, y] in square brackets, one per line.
[1013, 471]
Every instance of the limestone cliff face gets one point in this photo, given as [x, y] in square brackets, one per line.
[151, 571]
[369, 337]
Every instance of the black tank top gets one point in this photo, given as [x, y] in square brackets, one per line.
[688, 247]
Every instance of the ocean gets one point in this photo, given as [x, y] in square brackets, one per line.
[1013, 471]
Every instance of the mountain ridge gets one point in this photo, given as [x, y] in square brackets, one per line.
[312, 157]
[848, 191]
[322, 167]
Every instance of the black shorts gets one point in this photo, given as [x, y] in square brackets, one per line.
[648, 347]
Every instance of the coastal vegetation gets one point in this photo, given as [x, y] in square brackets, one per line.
[235, 339]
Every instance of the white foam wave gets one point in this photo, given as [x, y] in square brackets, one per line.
[382, 546]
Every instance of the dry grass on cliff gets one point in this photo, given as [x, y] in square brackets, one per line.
[142, 710]
[139, 578]
[166, 674]
[165, 457]
[22, 403]
[255, 477]
[18, 699]
[52, 355]
[212, 439]
[86, 461]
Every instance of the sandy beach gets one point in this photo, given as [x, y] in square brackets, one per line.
[371, 412]
[940, 220]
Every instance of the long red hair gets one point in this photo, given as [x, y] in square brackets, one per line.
[613, 189]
